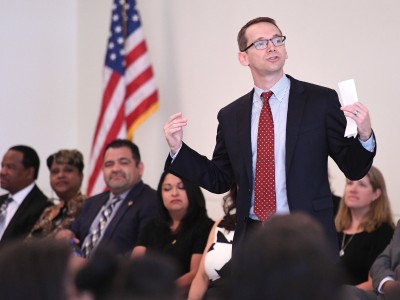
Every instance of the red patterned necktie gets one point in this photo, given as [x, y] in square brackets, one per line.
[264, 187]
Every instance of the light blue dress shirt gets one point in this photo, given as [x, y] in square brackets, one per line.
[279, 106]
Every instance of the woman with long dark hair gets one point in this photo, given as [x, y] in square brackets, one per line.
[180, 229]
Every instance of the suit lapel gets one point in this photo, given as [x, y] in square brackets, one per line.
[297, 101]
[97, 206]
[23, 210]
[243, 118]
[125, 205]
[3, 198]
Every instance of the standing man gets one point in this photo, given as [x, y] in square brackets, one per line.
[115, 217]
[277, 153]
[25, 202]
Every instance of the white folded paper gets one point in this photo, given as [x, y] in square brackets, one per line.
[349, 96]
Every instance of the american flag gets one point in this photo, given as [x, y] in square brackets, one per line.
[129, 91]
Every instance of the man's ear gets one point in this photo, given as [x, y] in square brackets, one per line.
[242, 57]
[141, 168]
[30, 173]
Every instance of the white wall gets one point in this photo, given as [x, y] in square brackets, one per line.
[54, 90]
[38, 77]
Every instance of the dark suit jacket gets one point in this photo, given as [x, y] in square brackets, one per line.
[25, 216]
[315, 129]
[388, 262]
[137, 209]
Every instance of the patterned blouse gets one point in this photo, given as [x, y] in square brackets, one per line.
[57, 217]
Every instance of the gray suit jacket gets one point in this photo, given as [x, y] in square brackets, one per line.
[388, 262]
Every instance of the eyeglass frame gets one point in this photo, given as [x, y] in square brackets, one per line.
[266, 40]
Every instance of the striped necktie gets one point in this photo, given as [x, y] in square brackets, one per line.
[3, 207]
[3, 213]
[95, 235]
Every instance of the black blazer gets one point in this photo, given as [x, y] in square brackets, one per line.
[137, 209]
[314, 130]
[26, 215]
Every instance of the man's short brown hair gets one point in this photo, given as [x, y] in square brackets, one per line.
[241, 38]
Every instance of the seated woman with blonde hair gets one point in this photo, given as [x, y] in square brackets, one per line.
[365, 226]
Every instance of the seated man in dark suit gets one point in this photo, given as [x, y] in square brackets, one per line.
[25, 202]
[114, 218]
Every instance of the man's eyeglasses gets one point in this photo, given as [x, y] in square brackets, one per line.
[263, 44]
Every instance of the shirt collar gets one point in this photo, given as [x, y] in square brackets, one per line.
[121, 196]
[21, 194]
[279, 89]
[135, 189]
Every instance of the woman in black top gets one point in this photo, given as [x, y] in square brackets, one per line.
[180, 229]
[365, 226]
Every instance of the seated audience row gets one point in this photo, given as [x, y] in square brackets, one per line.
[115, 218]
[173, 222]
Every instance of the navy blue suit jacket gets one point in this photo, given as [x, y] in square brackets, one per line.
[26, 215]
[135, 211]
[314, 130]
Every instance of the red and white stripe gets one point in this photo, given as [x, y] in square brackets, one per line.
[127, 101]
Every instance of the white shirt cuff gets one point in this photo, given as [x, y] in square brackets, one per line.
[387, 278]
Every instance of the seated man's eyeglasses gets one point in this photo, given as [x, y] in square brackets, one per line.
[263, 44]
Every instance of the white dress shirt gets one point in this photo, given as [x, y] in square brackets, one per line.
[13, 206]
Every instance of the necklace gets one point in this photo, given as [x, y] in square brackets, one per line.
[344, 245]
